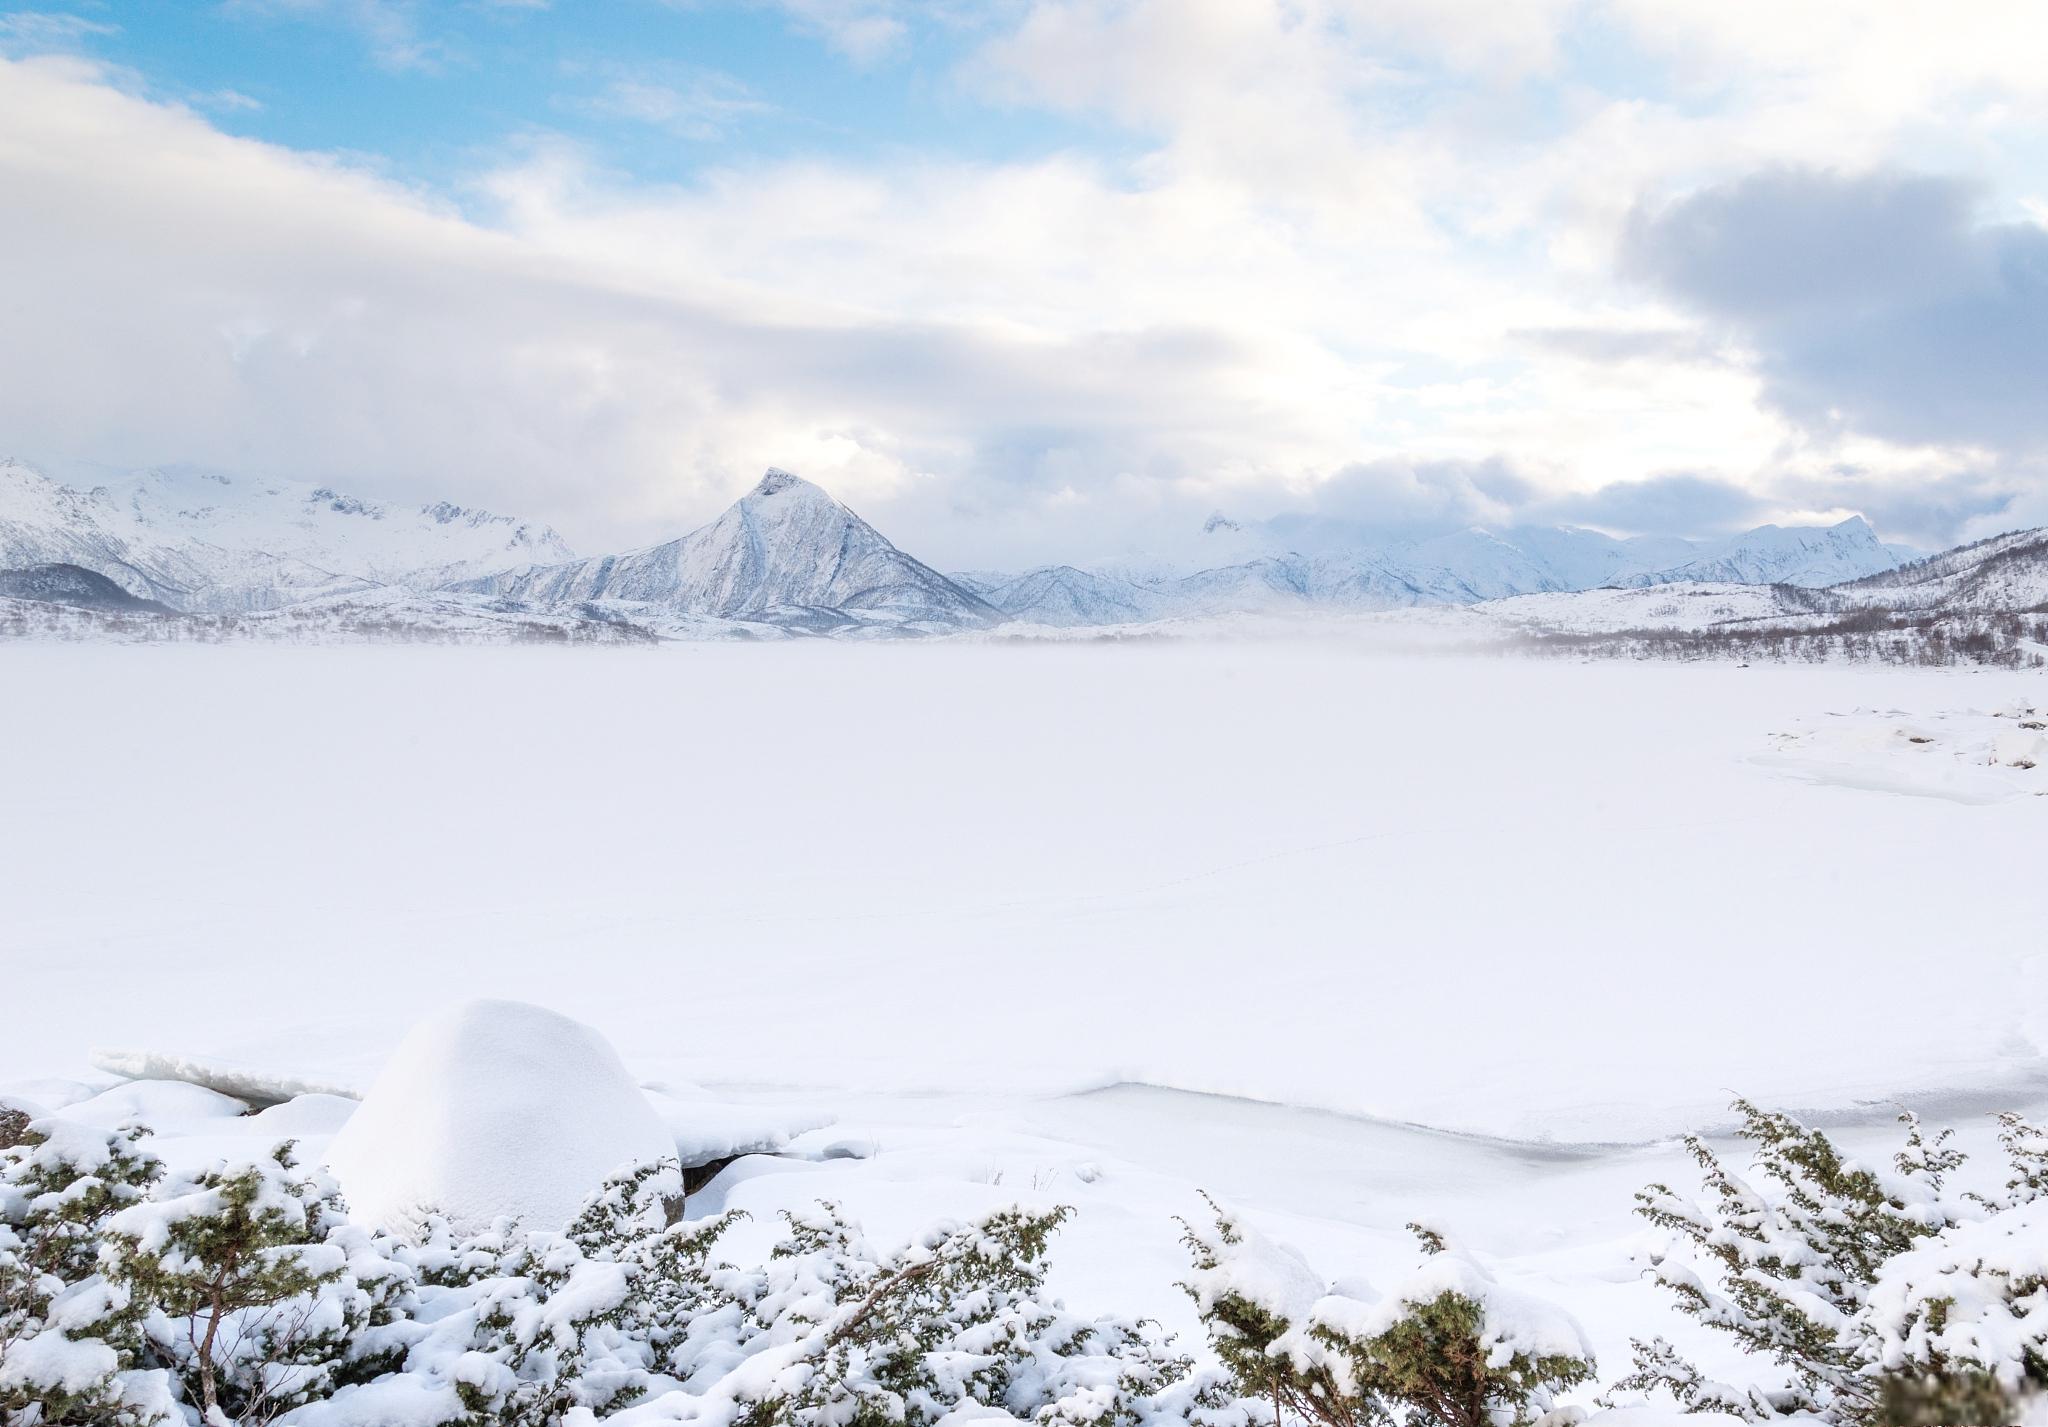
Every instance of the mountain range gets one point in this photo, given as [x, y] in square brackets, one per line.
[1301, 564]
[233, 556]
[212, 544]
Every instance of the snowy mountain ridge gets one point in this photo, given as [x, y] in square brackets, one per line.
[1320, 569]
[207, 543]
[789, 559]
[1808, 555]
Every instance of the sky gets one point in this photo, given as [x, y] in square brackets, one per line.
[1035, 280]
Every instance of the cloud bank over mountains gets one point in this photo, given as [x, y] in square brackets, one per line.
[1675, 268]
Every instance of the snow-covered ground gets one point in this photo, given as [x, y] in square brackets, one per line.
[1348, 936]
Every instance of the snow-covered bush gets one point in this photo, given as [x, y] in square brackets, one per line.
[1448, 1345]
[71, 1341]
[829, 1332]
[1881, 1294]
[625, 1320]
[1958, 1326]
[242, 1296]
[262, 1296]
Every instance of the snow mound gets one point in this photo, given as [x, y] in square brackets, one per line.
[154, 1103]
[494, 1108]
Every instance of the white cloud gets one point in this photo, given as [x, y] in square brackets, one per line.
[390, 28]
[1335, 241]
[35, 30]
[701, 105]
[229, 101]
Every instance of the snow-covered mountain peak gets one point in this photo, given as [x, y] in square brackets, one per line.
[1854, 530]
[784, 553]
[782, 499]
[777, 481]
[1812, 555]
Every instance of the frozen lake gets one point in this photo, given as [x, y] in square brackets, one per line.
[1553, 901]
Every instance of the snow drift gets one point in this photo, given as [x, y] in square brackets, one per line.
[494, 1108]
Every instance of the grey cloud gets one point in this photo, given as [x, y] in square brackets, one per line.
[1424, 496]
[1610, 346]
[1877, 303]
[1675, 504]
[1931, 509]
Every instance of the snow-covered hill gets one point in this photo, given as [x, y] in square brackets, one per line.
[2006, 572]
[219, 544]
[1980, 603]
[1689, 606]
[2004, 575]
[786, 553]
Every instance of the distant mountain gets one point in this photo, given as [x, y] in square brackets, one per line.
[216, 544]
[1302, 563]
[1813, 556]
[1067, 597]
[785, 554]
[271, 559]
[1986, 602]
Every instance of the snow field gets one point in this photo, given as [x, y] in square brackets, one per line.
[1537, 900]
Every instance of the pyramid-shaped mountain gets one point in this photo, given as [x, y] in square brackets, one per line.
[786, 552]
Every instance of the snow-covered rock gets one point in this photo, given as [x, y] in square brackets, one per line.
[153, 1103]
[785, 553]
[71, 585]
[494, 1108]
[2020, 748]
